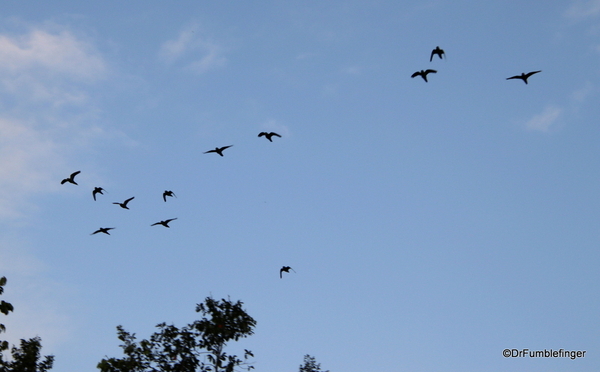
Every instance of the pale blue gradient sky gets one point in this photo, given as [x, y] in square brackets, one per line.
[431, 225]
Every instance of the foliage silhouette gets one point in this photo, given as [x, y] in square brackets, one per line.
[25, 358]
[198, 346]
[310, 365]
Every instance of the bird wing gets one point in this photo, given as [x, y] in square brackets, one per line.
[281, 273]
[128, 200]
[210, 151]
[63, 181]
[262, 134]
[432, 54]
[415, 74]
[165, 196]
[225, 147]
[531, 73]
[95, 232]
[292, 269]
[158, 223]
[169, 220]
[430, 71]
[74, 174]
[275, 134]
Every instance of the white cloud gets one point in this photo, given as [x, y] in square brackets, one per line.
[60, 53]
[28, 158]
[40, 74]
[542, 122]
[47, 67]
[204, 53]
[584, 9]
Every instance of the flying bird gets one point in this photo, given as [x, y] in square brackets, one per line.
[219, 150]
[165, 223]
[269, 135]
[71, 178]
[124, 204]
[285, 269]
[524, 76]
[440, 52]
[168, 193]
[247, 353]
[423, 74]
[103, 230]
[96, 191]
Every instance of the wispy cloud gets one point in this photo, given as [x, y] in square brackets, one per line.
[47, 67]
[544, 121]
[200, 54]
[43, 77]
[583, 9]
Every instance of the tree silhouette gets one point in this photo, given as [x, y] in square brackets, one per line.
[26, 357]
[310, 365]
[5, 308]
[198, 346]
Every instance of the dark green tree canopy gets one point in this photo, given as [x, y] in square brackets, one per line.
[198, 346]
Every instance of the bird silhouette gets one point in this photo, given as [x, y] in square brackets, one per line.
[103, 230]
[269, 135]
[423, 74]
[124, 204]
[168, 193]
[96, 191]
[165, 223]
[524, 76]
[248, 353]
[285, 269]
[219, 150]
[440, 52]
[71, 178]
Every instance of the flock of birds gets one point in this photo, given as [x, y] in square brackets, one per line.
[166, 193]
[441, 54]
[268, 135]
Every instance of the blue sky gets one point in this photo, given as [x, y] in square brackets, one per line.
[430, 225]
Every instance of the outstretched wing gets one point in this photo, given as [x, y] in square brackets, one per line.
[74, 174]
[430, 71]
[415, 74]
[63, 181]
[169, 220]
[515, 77]
[275, 134]
[531, 73]
[432, 54]
[158, 223]
[210, 151]
[165, 196]
[128, 200]
[225, 147]
[262, 134]
[281, 273]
